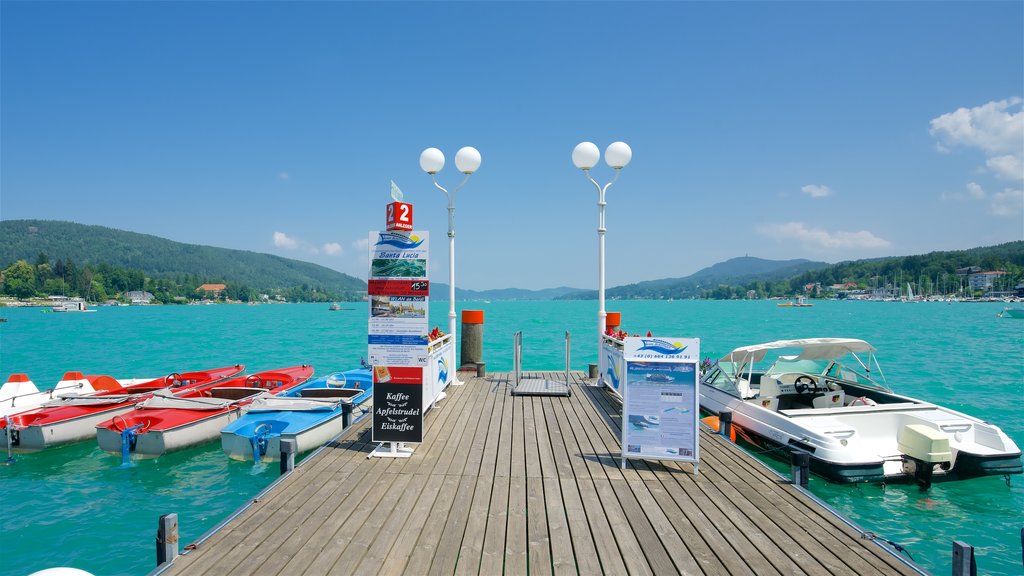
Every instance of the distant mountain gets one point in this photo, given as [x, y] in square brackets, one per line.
[733, 271]
[162, 258]
[439, 291]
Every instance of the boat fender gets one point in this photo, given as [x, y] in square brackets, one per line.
[863, 401]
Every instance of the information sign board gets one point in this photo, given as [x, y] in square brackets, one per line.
[397, 333]
[660, 408]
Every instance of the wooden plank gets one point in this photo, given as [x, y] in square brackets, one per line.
[560, 534]
[492, 559]
[446, 555]
[396, 559]
[516, 538]
[475, 422]
[378, 547]
[659, 526]
[471, 547]
[427, 543]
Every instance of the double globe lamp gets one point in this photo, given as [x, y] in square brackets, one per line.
[467, 161]
[585, 156]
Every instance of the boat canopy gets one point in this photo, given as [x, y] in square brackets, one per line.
[810, 349]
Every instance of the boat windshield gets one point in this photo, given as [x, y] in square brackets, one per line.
[849, 368]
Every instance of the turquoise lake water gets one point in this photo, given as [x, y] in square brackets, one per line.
[74, 506]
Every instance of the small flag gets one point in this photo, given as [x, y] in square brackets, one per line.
[396, 193]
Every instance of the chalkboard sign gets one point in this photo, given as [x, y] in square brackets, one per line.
[397, 412]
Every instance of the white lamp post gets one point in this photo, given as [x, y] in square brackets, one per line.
[467, 160]
[585, 157]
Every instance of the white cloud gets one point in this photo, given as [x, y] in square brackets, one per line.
[333, 248]
[816, 238]
[995, 128]
[815, 191]
[283, 175]
[282, 240]
[361, 244]
[1009, 202]
[975, 191]
[1007, 167]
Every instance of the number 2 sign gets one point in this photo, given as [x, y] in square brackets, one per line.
[399, 216]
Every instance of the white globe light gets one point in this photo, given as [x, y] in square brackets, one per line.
[585, 155]
[467, 160]
[432, 160]
[618, 154]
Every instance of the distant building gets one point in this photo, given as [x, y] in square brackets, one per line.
[211, 290]
[138, 297]
[984, 280]
[845, 286]
[968, 270]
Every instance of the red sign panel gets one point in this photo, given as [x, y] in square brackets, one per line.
[397, 375]
[398, 287]
[399, 216]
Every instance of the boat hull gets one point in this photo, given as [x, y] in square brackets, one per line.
[872, 455]
[155, 443]
[34, 438]
[238, 446]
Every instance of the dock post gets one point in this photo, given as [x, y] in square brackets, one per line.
[592, 371]
[963, 559]
[800, 462]
[346, 415]
[472, 338]
[288, 449]
[725, 423]
[167, 539]
[481, 369]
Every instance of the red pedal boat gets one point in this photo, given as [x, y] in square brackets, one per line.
[74, 418]
[165, 423]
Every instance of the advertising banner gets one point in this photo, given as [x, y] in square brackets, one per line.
[660, 408]
[397, 333]
[612, 365]
[438, 374]
[398, 289]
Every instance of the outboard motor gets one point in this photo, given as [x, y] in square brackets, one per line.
[922, 449]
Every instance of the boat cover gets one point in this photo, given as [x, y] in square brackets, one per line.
[167, 400]
[811, 349]
[293, 404]
[93, 400]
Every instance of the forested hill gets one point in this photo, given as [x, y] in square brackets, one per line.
[928, 274]
[162, 258]
[735, 271]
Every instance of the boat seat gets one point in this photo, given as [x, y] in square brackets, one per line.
[766, 403]
[833, 399]
[769, 387]
[233, 392]
[743, 387]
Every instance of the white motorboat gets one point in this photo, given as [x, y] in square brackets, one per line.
[828, 397]
[71, 305]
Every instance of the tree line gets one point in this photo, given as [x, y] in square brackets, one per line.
[933, 274]
[102, 282]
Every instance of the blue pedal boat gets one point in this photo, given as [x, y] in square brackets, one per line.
[311, 415]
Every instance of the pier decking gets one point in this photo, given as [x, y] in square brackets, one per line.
[532, 485]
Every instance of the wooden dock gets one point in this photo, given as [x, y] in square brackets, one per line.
[532, 485]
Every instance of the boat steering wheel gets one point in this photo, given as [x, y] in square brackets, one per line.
[173, 380]
[253, 381]
[805, 384]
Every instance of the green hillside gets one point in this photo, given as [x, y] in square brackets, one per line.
[935, 273]
[158, 258]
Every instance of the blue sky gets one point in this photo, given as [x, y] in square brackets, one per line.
[828, 131]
